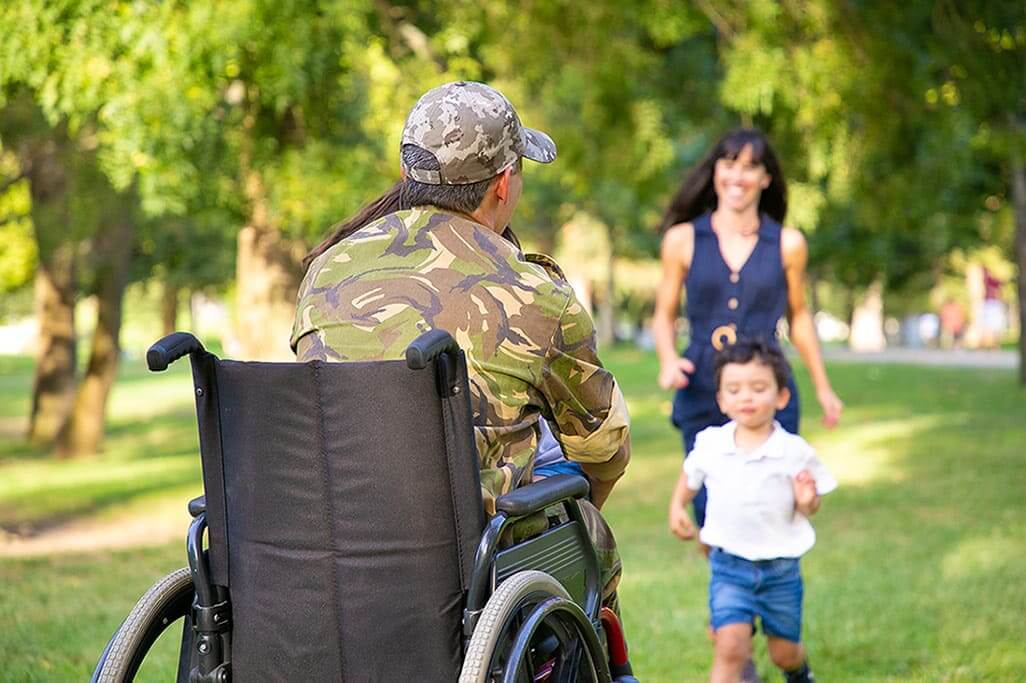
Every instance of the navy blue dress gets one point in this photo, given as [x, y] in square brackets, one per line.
[721, 306]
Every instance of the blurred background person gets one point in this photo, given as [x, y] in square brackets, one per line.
[952, 324]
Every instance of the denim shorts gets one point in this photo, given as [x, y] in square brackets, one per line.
[741, 589]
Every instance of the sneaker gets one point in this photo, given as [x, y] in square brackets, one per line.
[750, 675]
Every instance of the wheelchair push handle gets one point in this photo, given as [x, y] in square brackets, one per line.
[169, 349]
[429, 346]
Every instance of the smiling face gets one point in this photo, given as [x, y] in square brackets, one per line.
[739, 182]
[749, 393]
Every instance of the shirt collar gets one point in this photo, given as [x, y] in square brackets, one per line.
[770, 448]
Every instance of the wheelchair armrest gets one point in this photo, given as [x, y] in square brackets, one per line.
[197, 506]
[169, 349]
[541, 494]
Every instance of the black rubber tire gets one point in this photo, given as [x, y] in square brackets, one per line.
[168, 600]
[505, 602]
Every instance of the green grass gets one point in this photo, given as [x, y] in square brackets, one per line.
[919, 572]
[150, 451]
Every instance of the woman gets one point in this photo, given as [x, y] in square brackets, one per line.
[743, 271]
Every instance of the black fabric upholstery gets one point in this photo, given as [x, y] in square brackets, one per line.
[346, 541]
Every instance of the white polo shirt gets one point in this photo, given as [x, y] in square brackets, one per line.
[750, 510]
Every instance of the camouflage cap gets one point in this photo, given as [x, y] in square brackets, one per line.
[473, 131]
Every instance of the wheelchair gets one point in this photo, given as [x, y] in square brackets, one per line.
[345, 537]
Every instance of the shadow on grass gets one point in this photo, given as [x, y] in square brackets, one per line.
[151, 445]
[919, 575]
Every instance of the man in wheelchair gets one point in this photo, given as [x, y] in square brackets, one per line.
[314, 572]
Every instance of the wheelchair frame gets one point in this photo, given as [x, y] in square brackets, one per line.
[563, 551]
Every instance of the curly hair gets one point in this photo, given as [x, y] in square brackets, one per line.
[745, 350]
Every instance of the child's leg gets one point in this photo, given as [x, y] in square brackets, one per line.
[786, 654]
[780, 607]
[731, 609]
[733, 649]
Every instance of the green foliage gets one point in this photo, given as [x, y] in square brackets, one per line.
[223, 113]
[17, 248]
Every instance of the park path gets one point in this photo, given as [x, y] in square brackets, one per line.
[1004, 360]
[162, 523]
[167, 522]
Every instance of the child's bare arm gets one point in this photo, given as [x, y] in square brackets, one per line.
[806, 500]
[680, 521]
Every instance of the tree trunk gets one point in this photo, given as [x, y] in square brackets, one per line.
[867, 321]
[267, 274]
[169, 308]
[53, 386]
[1019, 210]
[607, 305]
[45, 164]
[82, 434]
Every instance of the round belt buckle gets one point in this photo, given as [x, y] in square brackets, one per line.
[724, 335]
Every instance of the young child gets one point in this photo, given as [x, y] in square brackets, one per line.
[763, 484]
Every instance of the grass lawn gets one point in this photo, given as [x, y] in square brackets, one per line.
[919, 572]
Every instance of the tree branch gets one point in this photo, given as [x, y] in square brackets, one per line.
[11, 182]
[407, 33]
[723, 26]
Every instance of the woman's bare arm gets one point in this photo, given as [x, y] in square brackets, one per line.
[677, 249]
[795, 254]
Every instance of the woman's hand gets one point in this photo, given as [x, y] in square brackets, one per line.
[674, 374]
[680, 522]
[831, 405]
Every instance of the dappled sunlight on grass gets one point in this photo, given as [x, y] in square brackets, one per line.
[861, 452]
[1002, 549]
[41, 493]
[917, 574]
[151, 448]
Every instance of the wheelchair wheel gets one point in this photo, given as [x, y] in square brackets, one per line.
[554, 649]
[165, 602]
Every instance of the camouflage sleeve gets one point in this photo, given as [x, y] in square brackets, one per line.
[587, 405]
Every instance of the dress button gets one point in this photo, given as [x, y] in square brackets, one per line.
[735, 277]
[732, 303]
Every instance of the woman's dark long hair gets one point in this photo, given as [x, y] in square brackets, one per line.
[697, 195]
[390, 202]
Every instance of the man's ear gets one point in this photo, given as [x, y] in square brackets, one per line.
[783, 396]
[502, 185]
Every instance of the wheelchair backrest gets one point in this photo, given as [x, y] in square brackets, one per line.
[344, 509]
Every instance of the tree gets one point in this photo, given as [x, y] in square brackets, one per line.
[111, 249]
[56, 64]
[43, 157]
[274, 100]
[981, 49]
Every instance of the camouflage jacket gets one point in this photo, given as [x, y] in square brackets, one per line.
[530, 344]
